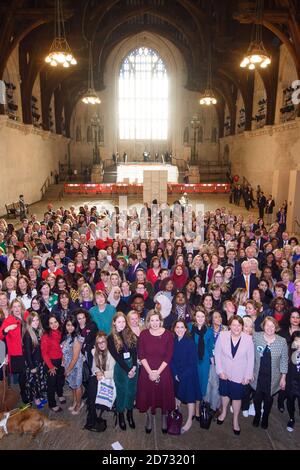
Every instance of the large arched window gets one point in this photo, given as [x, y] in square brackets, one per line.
[143, 96]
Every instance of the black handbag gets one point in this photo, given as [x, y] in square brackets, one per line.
[205, 415]
[86, 372]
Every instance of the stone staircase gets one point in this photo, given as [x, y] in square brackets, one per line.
[54, 192]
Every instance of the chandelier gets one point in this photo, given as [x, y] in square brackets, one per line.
[257, 54]
[208, 98]
[60, 52]
[91, 97]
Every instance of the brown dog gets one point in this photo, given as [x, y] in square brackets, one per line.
[29, 421]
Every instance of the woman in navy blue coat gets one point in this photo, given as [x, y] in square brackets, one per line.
[184, 371]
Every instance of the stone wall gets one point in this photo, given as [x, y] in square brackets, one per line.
[28, 156]
[259, 153]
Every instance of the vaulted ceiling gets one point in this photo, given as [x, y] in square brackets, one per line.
[189, 24]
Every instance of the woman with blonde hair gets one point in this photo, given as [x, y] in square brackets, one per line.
[135, 323]
[86, 297]
[36, 382]
[240, 297]
[155, 385]
[122, 345]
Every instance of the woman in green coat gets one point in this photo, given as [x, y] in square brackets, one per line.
[122, 345]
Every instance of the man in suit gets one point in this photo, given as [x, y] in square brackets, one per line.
[232, 261]
[21, 232]
[132, 268]
[281, 219]
[259, 240]
[262, 202]
[246, 280]
[21, 255]
[284, 240]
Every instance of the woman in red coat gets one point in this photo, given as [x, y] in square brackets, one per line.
[11, 331]
[153, 271]
[155, 383]
[52, 356]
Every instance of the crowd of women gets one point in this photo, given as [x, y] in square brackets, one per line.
[161, 322]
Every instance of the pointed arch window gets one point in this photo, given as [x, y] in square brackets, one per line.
[143, 96]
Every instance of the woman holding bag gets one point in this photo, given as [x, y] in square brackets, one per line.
[102, 368]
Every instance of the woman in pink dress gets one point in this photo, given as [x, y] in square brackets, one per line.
[155, 384]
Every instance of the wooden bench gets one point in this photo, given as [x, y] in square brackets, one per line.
[13, 210]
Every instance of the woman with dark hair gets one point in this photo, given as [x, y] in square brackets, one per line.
[203, 338]
[64, 307]
[49, 299]
[36, 387]
[289, 324]
[73, 362]
[155, 385]
[12, 330]
[52, 357]
[24, 291]
[207, 304]
[92, 273]
[234, 356]
[181, 310]
[103, 365]
[193, 298]
[293, 378]
[122, 345]
[60, 285]
[70, 275]
[87, 329]
[184, 371]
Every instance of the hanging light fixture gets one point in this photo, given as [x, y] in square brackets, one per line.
[91, 97]
[208, 98]
[257, 54]
[60, 52]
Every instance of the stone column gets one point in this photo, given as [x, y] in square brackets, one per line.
[280, 187]
[294, 202]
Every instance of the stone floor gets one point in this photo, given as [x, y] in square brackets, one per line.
[209, 201]
[74, 437]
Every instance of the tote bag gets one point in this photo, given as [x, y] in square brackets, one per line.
[106, 393]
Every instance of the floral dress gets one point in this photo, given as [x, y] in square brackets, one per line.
[74, 379]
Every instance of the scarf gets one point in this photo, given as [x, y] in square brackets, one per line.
[201, 346]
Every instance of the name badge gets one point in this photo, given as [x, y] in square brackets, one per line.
[126, 355]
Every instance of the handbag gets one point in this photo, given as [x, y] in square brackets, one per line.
[174, 423]
[205, 415]
[106, 393]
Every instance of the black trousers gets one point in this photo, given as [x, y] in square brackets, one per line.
[55, 383]
[92, 389]
[249, 392]
[266, 399]
[291, 400]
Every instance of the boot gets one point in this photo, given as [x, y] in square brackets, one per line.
[130, 419]
[122, 423]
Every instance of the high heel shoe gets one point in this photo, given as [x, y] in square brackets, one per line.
[220, 421]
[129, 416]
[236, 432]
[122, 423]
